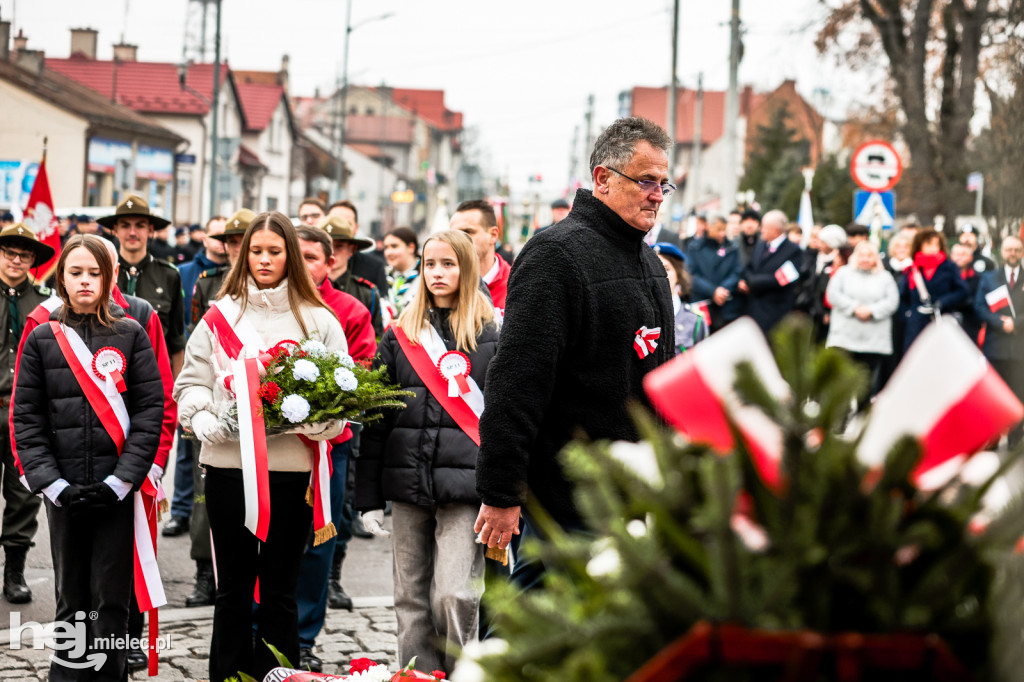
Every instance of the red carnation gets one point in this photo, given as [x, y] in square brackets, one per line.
[269, 392]
[438, 674]
[360, 665]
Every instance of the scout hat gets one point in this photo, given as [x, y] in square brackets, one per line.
[134, 205]
[341, 230]
[21, 236]
[237, 224]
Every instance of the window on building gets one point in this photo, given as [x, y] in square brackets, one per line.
[271, 203]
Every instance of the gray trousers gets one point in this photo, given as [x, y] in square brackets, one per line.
[439, 572]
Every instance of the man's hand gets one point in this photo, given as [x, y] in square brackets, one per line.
[720, 296]
[1008, 325]
[862, 313]
[742, 287]
[497, 525]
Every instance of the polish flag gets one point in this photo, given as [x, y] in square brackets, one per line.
[998, 298]
[787, 273]
[946, 394]
[696, 393]
[39, 215]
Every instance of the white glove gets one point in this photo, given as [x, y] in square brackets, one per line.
[321, 430]
[156, 473]
[373, 521]
[208, 429]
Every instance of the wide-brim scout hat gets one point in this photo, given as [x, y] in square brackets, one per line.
[21, 236]
[134, 205]
[236, 225]
[341, 230]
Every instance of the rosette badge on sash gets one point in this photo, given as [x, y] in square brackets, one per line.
[454, 366]
[109, 365]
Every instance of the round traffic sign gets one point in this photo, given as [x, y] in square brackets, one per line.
[876, 166]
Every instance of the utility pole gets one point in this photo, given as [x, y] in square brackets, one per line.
[214, 106]
[588, 147]
[673, 153]
[344, 97]
[572, 154]
[732, 107]
[698, 142]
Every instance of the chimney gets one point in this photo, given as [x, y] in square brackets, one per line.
[282, 75]
[83, 42]
[123, 52]
[31, 60]
[5, 40]
[20, 41]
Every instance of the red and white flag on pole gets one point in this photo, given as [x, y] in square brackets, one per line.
[696, 393]
[952, 412]
[39, 215]
[787, 273]
[998, 298]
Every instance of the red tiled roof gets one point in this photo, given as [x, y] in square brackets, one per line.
[378, 129]
[258, 103]
[428, 105]
[150, 87]
[652, 103]
[247, 157]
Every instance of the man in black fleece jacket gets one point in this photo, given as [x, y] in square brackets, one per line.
[576, 342]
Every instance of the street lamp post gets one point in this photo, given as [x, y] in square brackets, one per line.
[343, 95]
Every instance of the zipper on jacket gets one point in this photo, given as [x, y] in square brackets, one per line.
[86, 421]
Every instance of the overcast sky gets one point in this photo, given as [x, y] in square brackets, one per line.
[519, 71]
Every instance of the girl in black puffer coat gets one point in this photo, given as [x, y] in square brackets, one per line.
[69, 455]
[423, 458]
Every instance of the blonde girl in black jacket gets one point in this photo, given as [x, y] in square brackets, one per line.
[423, 458]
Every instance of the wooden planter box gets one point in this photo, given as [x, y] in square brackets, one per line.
[803, 656]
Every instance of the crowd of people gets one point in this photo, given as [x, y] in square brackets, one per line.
[137, 341]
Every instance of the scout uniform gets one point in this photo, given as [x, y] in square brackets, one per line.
[352, 284]
[211, 279]
[152, 279]
[21, 508]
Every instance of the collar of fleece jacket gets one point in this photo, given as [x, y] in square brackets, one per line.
[604, 220]
[274, 299]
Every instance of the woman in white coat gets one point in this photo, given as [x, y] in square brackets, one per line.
[268, 297]
[864, 297]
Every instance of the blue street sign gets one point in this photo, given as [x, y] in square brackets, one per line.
[185, 159]
[869, 205]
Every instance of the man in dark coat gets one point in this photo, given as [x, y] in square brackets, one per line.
[769, 279]
[1004, 341]
[586, 302]
[714, 263]
[750, 228]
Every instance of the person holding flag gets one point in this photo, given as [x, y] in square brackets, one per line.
[1000, 295]
[20, 251]
[769, 279]
[423, 458]
[87, 424]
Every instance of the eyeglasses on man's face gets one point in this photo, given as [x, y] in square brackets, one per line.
[648, 186]
[15, 255]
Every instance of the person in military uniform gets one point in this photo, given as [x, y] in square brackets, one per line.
[20, 250]
[345, 244]
[366, 264]
[206, 288]
[142, 275]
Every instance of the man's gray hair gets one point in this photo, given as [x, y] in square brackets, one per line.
[775, 216]
[616, 145]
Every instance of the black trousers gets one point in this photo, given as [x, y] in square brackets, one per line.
[93, 567]
[21, 508]
[1012, 372]
[240, 558]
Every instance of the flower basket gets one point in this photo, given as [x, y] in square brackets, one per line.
[709, 649]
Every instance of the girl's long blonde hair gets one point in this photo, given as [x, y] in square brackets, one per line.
[471, 312]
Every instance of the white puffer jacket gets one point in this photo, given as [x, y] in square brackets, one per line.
[197, 387]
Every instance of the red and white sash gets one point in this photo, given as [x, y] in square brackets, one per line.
[109, 406]
[41, 313]
[242, 343]
[247, 350]
[424, 357]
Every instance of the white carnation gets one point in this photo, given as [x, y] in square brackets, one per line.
[345, 379]
[304, 370]
[295, 408]
[314, 347]
[345, 359]
[377, 673]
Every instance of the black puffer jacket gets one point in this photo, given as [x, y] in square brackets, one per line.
[58, 433]
[419, 455]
